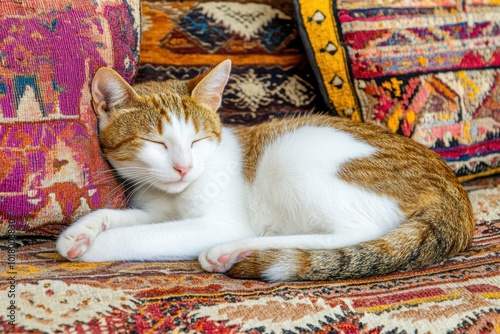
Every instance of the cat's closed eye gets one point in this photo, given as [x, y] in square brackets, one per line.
[198, 140]
[156, 142]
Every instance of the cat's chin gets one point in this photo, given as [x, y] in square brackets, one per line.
[173, 187]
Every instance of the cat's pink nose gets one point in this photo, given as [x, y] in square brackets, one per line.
[183, 170]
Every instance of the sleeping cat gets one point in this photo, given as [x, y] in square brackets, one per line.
[305, 198]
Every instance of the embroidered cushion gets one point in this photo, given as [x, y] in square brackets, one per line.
[427, 72]
[270, 76]
[51, 169]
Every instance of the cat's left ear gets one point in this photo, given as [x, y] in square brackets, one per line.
[109, 89]
[208, 91]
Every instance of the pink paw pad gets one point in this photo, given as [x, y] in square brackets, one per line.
[224, 258]
[74, 252]
[103, 227]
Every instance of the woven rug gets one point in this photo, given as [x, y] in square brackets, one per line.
[461, 295]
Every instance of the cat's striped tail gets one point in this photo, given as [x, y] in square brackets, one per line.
[421, 241]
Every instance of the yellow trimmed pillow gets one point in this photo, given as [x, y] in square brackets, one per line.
[428, 72]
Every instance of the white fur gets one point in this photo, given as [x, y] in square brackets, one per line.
[177, 147]
[297, 200]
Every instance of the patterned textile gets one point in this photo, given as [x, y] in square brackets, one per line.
[271, 76]
[461, 295]
[427, 70]
[51, 169]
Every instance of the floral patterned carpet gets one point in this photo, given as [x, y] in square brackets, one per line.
[49, 294]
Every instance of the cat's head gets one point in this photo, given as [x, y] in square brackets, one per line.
[159, 134]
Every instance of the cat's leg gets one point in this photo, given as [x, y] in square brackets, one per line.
[169, 241]
[79, 236]
[222, 257]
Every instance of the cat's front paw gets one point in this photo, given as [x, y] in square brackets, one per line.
[78, 237]
[221, 258]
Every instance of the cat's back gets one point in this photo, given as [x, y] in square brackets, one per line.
[316, 174]
[374, 158]
[256, 139]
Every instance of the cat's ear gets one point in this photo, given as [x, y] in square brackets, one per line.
[209, 87]
[109, 89]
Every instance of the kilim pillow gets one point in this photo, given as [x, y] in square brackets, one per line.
[425, 71]
[270, 76]
[51, 169]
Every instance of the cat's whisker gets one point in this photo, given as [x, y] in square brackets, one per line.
[139, 195]
[126, 185]
[134, 183]
[106, 179]
[118, 191]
